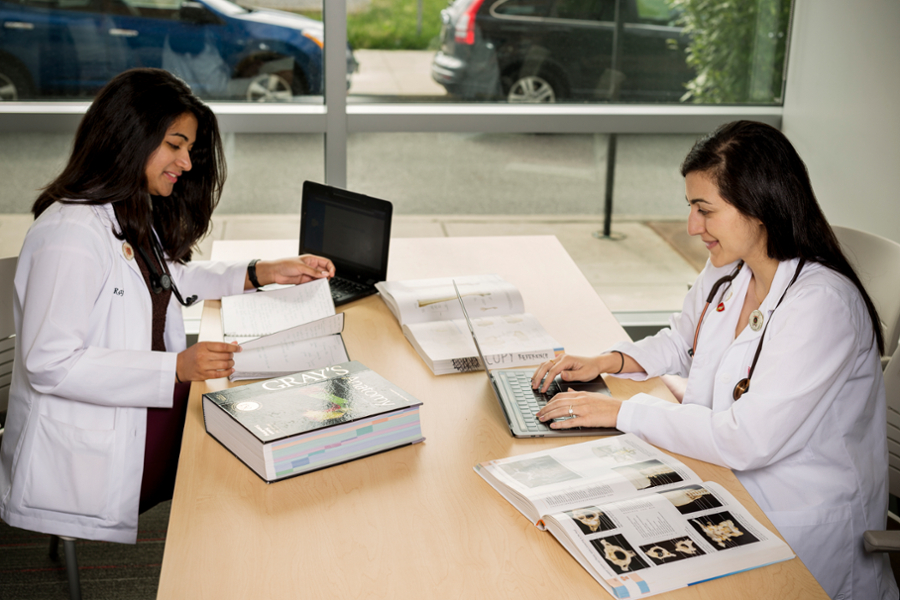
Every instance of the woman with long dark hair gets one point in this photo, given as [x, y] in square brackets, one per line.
[781, 346]
[101, 372]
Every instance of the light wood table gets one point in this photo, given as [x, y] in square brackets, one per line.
[415, 522]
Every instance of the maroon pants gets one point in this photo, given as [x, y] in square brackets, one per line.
[164, 429]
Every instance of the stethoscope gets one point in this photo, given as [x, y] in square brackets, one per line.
[161, 281]
[743, 385]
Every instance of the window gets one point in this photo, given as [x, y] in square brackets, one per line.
[586, 10]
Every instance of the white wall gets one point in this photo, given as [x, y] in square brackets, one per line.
[842, 108]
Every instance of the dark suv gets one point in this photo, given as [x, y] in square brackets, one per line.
[552, 50]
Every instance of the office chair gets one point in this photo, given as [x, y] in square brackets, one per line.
[7, 351]
[889, 541]
[7, 334]
[876, 261]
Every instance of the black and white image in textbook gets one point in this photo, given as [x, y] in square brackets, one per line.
[637, 519]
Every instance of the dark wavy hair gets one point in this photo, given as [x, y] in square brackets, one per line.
[758, 171]
[122, 128]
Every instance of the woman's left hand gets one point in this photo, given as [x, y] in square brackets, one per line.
[586, 409]
[292, 270]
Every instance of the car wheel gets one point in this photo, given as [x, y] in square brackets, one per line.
[534, 88]
[269, 87]
[14, 83]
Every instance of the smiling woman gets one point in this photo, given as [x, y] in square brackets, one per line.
[101, 369]
[173, 157]
[784, 382]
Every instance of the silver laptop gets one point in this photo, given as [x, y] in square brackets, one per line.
[520, 403]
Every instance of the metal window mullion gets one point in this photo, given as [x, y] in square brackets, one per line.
[335, 17]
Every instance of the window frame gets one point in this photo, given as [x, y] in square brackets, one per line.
[336, 119]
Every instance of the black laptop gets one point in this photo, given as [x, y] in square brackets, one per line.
[352, 230]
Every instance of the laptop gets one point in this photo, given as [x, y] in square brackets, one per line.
[520, 403]
[352, 230]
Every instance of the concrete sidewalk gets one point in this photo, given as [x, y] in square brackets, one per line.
[395, 73]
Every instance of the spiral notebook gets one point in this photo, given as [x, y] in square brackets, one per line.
[283, 331]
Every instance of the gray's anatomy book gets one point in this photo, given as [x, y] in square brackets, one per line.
[311, 420]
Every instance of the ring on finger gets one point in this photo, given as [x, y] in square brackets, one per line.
[571, 414]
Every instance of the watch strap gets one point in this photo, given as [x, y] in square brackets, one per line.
[251, 273]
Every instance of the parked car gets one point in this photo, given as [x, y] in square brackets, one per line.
[71, 48]
[552, 50]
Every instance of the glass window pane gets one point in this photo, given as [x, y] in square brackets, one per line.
[65, 49]
[444, 184]
[265, 171]
[660, 51]
[519, 174]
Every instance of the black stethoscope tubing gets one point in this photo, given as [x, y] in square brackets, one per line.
[160, 281]
[743, 385]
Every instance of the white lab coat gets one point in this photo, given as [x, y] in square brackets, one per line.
[808, 440]
[72, 455]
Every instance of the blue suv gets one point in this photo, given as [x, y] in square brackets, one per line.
[71, 48]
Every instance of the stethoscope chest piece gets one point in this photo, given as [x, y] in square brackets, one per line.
[742, 386]
[756, 320]
[128, 251]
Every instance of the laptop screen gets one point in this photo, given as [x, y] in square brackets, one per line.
[351, 229]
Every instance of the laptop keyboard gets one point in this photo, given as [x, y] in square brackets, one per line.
[528, 400]
[342, 288]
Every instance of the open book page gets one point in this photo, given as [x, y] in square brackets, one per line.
[287, 357]
[593, 472]
[264, 313]
[426, 300]
[506, 341]
[639, 521]
[666, 540]
[327, 326]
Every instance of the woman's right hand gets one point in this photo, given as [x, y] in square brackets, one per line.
[573, 368]
[206, 360]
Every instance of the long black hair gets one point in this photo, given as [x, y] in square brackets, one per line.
[758, 171]
[122, 128]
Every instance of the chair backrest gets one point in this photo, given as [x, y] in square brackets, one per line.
[892, 388]
[876, 261]
[7, 331]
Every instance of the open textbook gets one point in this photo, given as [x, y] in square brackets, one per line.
[639, 521]
[283, 331]
[432, 320]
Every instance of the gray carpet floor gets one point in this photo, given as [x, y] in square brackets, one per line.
[108, 571]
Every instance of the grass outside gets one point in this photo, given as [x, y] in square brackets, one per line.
[392, 25]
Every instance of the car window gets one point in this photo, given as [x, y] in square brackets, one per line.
[655, 11]
[73, 5]
[226, 7]
[585, 10]
[155, 4]
[521, 8]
